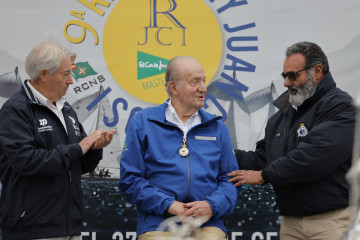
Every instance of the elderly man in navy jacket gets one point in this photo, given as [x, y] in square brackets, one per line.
[307, 149]
[43, 152]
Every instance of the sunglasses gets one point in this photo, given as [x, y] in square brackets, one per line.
[292, 75]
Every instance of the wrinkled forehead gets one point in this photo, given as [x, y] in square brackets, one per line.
[191, 72]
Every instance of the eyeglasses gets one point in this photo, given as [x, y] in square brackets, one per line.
[292, 75]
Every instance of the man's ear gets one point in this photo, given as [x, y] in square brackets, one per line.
[173, 87]
[318, 74]
[43, 74]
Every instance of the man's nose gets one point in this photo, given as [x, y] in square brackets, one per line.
[70, 80]
[202, 87]
[287, 82]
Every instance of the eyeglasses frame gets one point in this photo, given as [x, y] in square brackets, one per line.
[286, 75]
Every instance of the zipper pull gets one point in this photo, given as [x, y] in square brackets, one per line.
[185, 141]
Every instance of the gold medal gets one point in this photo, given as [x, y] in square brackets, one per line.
[184, 151]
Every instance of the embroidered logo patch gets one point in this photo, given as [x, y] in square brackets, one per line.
[73, 121]
[302, 131]
[43, 123]
[205, 138]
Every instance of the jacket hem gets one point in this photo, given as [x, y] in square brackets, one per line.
[35, 231]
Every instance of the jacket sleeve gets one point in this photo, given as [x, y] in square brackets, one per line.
[328, 145]
[133, 183]
[252, 160]
[18, 146]
[91, 159]
[224, 198]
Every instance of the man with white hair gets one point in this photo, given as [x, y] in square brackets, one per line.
[43, 152]
[177, 158]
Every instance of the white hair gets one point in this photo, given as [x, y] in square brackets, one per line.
[172, 73]
[45, 56]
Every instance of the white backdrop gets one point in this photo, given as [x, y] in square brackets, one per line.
[332, 24]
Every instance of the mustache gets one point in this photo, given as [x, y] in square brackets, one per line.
[292, 88]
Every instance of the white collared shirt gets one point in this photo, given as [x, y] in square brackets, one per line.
[172, 116]
[47, 103]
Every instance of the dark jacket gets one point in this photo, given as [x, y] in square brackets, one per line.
[40, 169]
[306, 152]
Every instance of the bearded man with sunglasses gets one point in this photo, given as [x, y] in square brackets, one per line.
[307, 149]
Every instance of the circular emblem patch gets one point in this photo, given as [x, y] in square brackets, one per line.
[302, 131]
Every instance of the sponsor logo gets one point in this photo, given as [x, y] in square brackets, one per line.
[43, 122]
[74, 126]
[149, 65]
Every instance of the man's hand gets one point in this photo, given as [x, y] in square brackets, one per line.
[96, 140]
[103, 139]
[177, 208]
[246, 177]
[199, 209]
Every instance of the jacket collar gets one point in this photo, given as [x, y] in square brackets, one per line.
[282, 102]
[30, 96]
[158, 114]
[28, 93]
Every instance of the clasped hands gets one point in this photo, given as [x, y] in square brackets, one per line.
[246, 177]
[96, 140]
[197, 209]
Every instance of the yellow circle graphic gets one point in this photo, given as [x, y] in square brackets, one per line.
[141, 36]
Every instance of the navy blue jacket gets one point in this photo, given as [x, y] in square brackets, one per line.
[40, 169]
[306, 153]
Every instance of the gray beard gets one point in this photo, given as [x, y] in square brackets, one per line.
[303, 92]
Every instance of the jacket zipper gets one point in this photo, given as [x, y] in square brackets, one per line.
[288, 120]
[188, 170]
[67, 206]
[284, 141]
